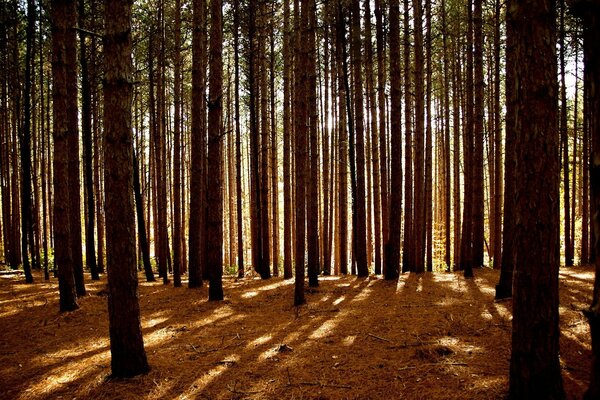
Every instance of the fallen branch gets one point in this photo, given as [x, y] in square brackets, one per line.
[414, 344]
[379, 337]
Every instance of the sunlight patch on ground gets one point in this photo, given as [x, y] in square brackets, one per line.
[338, 300]
[323, 330]
[250, 294]
[260, 340]
[64, 374]
[152, 322]
[503, 311]
[586, 276]
[196, 388]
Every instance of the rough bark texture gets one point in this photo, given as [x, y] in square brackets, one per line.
[62, 244]
[126, 342]
[505, 285]
[360, 232]
[534, 367]
[73, 155]
[392, 257]
[197, 135]
[301, 143]
[478, 134]
[214, 238]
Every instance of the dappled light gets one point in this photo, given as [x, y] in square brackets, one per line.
[433, 336]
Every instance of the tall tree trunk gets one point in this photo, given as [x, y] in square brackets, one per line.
[477, 157]
[126, 342]
[407, 255]
[238, 142]
[498, 203]
[312, 195]
[534, 368]
[86, 132]
[374, 154]
[383, 160]
[196, 223]
[342, 142]
[428, 220]
[360, 231]
[505, 285]
[73, 155]
[287, 144]
[301, 145]
[466, 241]
[214, 238]
[419, 145]
[392, 257]
[177, 229]
[62, 243]
[564, 137]
[26, 206]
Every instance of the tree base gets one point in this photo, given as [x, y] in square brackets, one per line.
[503, 292]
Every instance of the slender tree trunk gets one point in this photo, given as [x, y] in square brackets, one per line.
[383, 160]
[26, 206]
[62, 244]
[505, 285]
[312, 195]
[139, 208]
[342, 143]
[419, 145]
[238, 143]
[86, 132]
[177, 228]
[73, 155]
[498, 203]
[214, 239]
[301, 145]
[359, 233]
[392, 257]
[196, 223]
[477, 157]
[287, 145]
[407, 255]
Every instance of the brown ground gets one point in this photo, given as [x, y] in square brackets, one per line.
[434, 336]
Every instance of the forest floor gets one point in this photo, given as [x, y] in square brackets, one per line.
[433, 336]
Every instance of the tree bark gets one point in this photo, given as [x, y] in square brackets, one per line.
[62, 244]
[126, 342]
[534, 368]
[214, 238]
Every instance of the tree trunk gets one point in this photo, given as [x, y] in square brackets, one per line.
[196, 223]
[126, 342]
[86, 132]
[360, 231]
[62, 244]
[177, 183]
[534, 368]
[392, 257]
[214, 238]
[407, 255]
[477, 157]
[26, 206]
[383, 160]
[301, 145]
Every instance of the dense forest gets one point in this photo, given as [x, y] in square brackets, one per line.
[245, 146]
